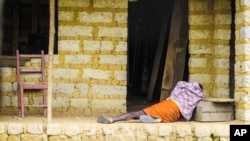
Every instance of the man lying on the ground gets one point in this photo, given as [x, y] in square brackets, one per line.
[181, 103]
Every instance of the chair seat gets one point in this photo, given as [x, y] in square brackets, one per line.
[33, 86]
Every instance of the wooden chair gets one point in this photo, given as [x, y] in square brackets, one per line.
[22, 86]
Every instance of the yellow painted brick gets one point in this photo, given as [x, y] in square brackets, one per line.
[196, 41]
[93, 81]
[237, 89]
[239, 58]
[65, 109]
[13, 138]
[76, 66]
[74, 3]
[103, 67]
[87, 111]
[87, 81]
[243, 106]
[90, 52]
[64, 66]
[111, 96]
[199, 70]
[115, 67]
[103, 82]
[115, 82]
[3, 137]
[87, 65]
[219, 42]
[123, 96]
[89, 96]
[61, 59]
[36, 65]
[124, 67]
[58, 138]
[27, 137]
[83, 96]
[95, 61]
[95, 66]
[78, 110]
[72, 80]
[109, 82]
[123, 83]
[200, 27]
[247, 57]
[99, 96]
[28, 64]
[221, 71]
[79, 79]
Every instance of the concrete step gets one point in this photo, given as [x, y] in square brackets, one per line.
[214, 109]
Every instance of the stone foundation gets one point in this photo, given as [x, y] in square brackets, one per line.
[89, 130]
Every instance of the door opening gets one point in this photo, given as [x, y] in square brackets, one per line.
[146, 20]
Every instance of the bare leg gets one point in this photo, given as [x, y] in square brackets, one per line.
[128, 116]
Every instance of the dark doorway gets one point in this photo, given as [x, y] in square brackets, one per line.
[25, 25]
[148, 29]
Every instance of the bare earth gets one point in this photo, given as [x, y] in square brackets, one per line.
[54, 119]
[84, 119]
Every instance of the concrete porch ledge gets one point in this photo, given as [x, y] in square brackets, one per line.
[86, 129]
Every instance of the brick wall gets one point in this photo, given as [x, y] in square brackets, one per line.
[209, 49]
[89, 71]
[242, 83]
[209, 45]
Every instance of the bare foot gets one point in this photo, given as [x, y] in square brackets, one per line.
[104, 119]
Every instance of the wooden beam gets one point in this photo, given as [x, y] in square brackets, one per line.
[176, 52]
[50, 57]
[160, 51]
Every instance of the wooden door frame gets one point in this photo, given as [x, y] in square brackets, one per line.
[177, 47]
[176, 52]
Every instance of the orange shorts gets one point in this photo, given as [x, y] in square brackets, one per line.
[167, 110]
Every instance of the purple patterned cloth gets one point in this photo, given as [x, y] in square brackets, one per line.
[187, 95]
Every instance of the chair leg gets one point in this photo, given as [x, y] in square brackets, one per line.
[44, 102]
[22, 102]
[19, 102]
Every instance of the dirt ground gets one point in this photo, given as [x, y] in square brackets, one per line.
[78, 119]
[42, 119]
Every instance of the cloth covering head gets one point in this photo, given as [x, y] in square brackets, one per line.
[187, 95]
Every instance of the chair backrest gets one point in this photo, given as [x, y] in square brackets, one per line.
[29, 69]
